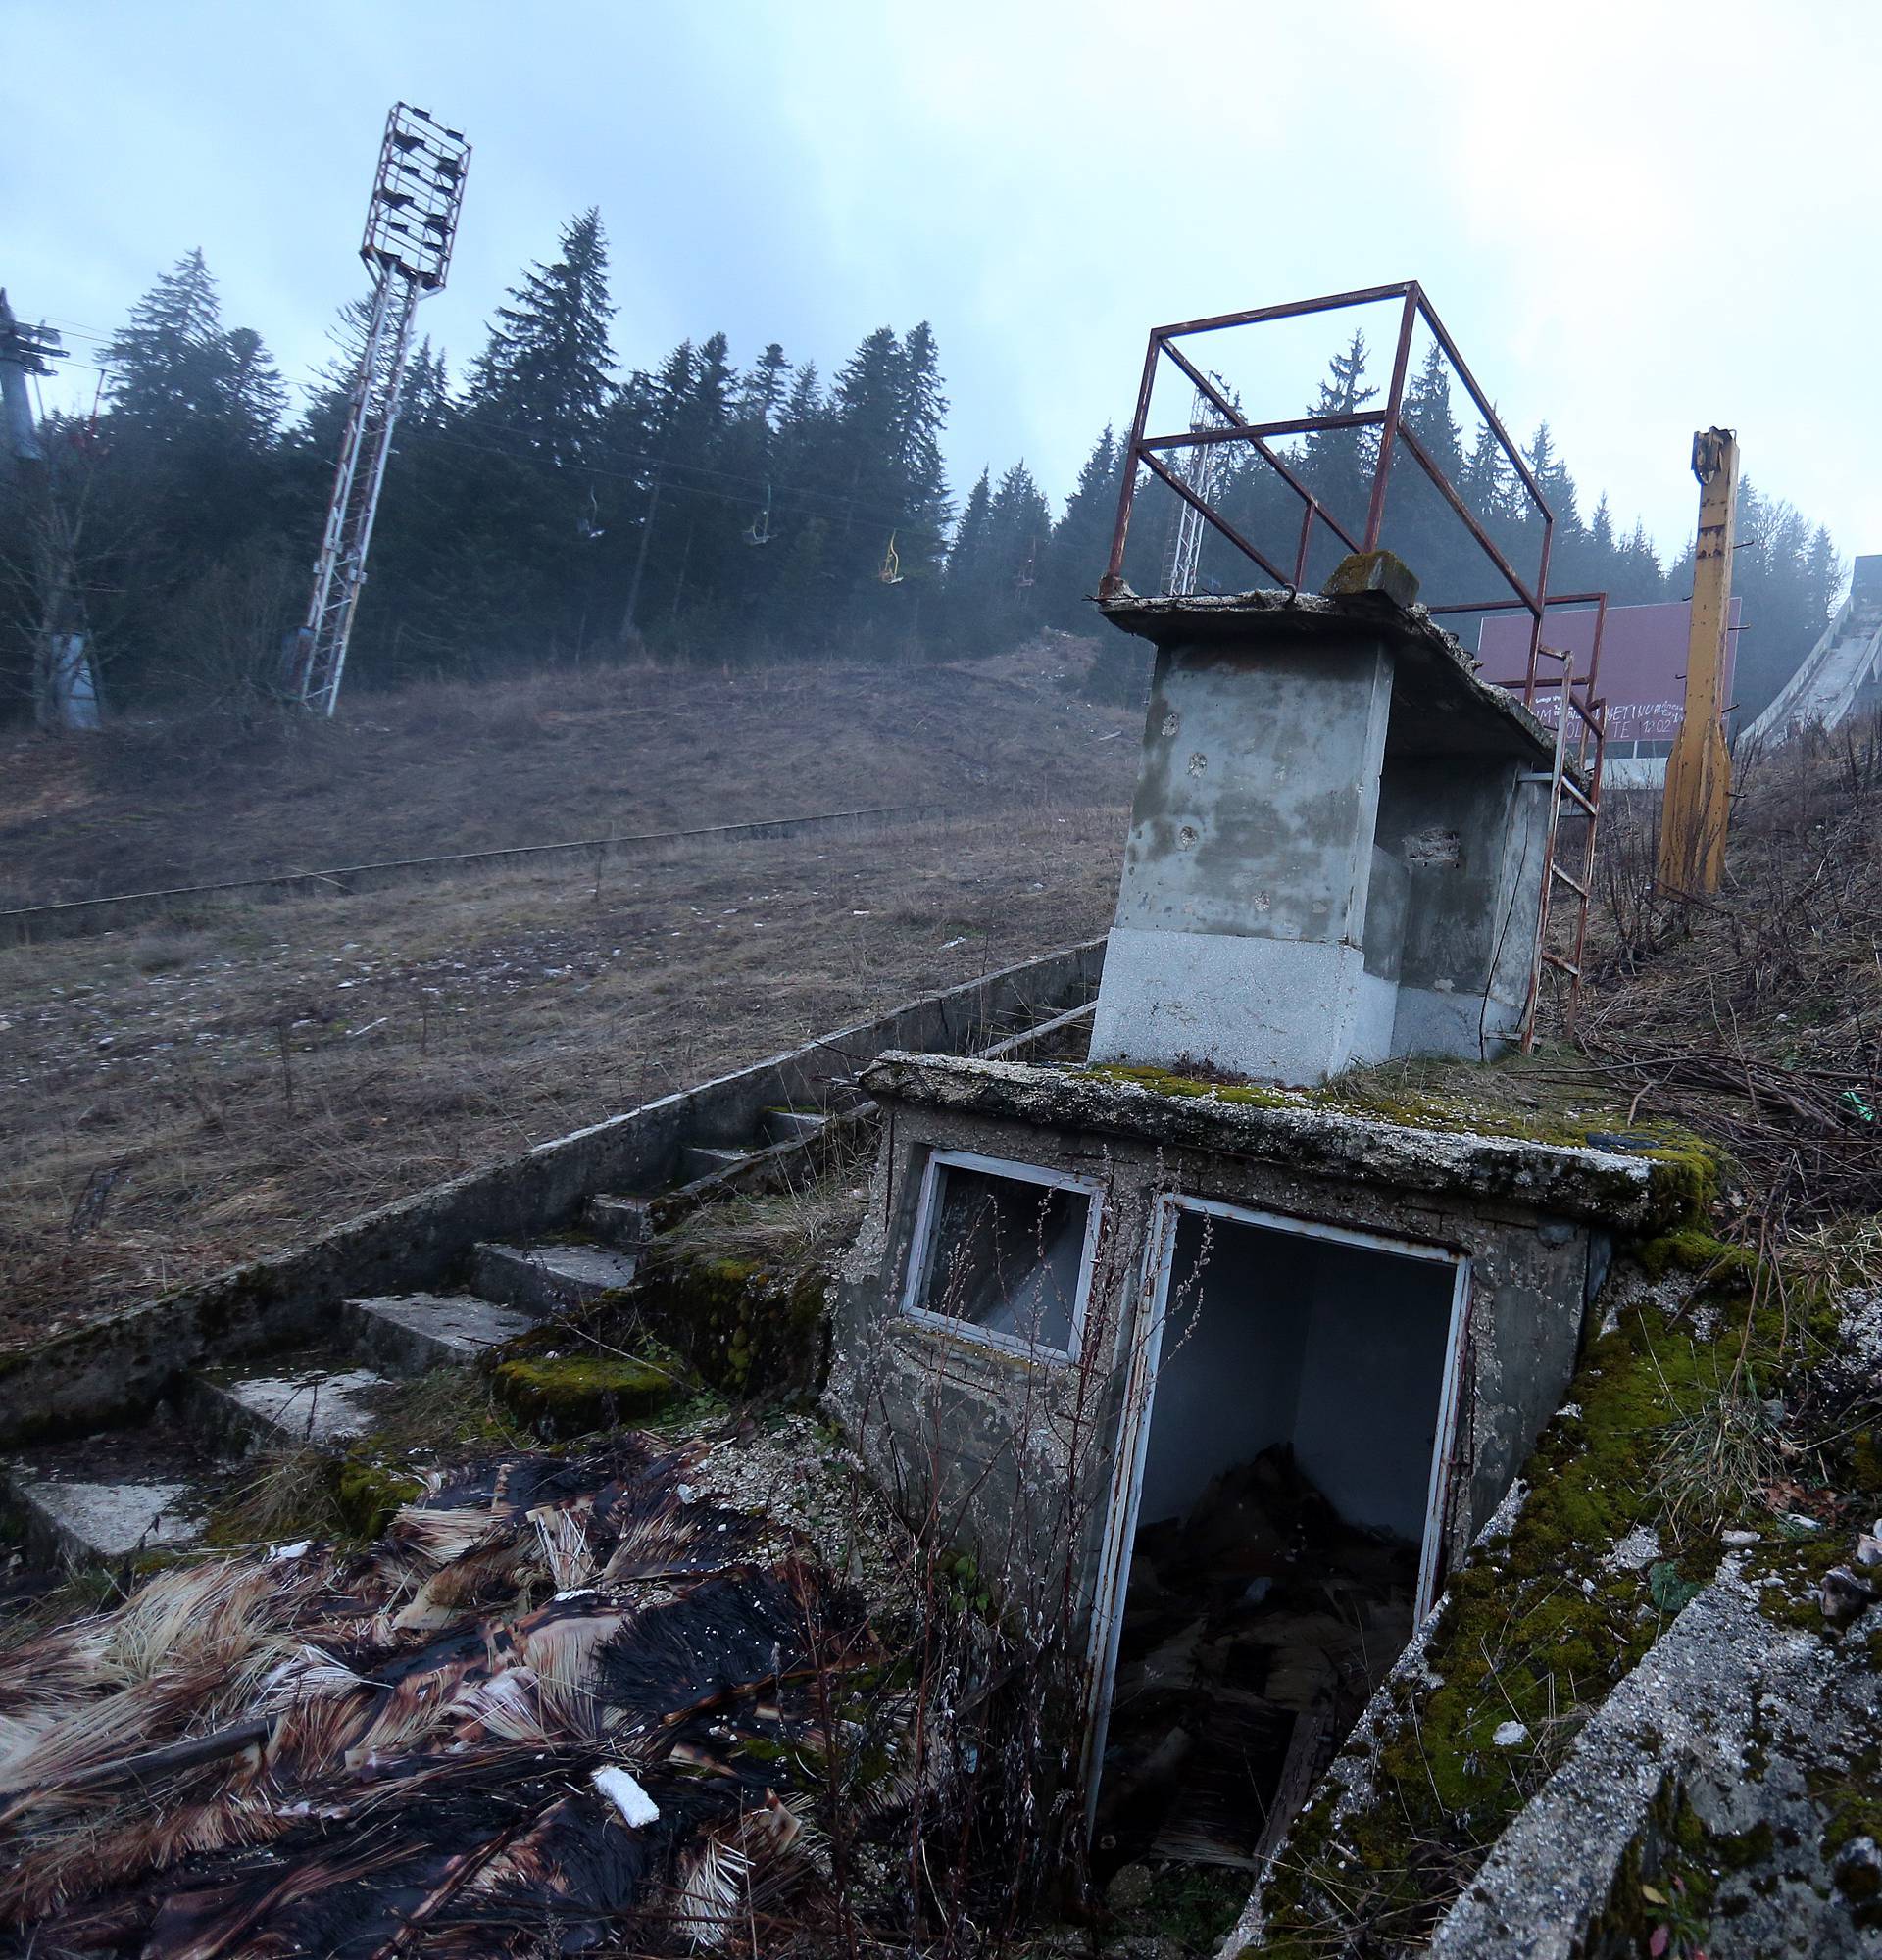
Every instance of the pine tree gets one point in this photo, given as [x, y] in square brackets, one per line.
[761, 390]
[921, 491]
[171, 366]
[860, 454]
[254, 399]
[1019, 521]
[544, 378]
[803, 404]
[1427, 411]
[1644, 579]
[1601, 531]
[1337, 462]
[1558, 486]
[972, 536]
[969, 584]
[1420, 526]
[1824, 573]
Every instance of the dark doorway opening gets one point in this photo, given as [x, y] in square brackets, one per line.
[1286, 1469]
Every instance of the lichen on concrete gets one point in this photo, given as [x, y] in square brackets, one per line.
[1628, 1192]
[1546, 1622]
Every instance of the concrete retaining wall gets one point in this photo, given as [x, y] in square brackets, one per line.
[114, 1369]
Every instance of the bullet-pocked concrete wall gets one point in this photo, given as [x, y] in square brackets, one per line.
[1335, 854]
[1242, 906]
[1013, 1456]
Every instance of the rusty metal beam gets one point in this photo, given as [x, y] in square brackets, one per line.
[1529, 599]
[1288, 309]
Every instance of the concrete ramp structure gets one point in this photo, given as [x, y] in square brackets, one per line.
[1843, 673]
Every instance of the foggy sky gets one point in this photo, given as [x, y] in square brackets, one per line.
[1636, 218]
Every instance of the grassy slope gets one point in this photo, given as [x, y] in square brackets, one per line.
[540, 759]
[252, 1070]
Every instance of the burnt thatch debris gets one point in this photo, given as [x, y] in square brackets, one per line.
[565, 1702]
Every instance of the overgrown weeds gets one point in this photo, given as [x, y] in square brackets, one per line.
[1755, 1017]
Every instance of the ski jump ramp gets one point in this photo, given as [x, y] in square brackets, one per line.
[1842, 673]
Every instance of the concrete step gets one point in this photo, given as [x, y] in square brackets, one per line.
[97, 1524]
[547, 1279]
[321, 1402]
[98, 1499]
[697, 1160]
[409, 1333]
[624, 1223]
[790, 1126]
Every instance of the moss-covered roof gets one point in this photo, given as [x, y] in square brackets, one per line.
[1630, 1192]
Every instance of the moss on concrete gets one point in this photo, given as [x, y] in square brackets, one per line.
[747, 1329]
[1480, 1100]
[1539, 1628]
[1689, 1248]
[366, 1493]
[559, 1395]
[1171, 1081]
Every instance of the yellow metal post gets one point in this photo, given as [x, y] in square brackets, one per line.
[1699, 771]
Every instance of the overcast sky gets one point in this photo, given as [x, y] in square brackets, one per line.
[1636, 218]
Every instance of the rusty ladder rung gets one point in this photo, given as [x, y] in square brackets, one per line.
[1574, 884]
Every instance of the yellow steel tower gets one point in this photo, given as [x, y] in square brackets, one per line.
[1699, 771]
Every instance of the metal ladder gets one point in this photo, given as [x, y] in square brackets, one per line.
[1584, 757]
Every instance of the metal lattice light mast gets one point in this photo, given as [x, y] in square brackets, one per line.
[409, 225]
[1200, 470]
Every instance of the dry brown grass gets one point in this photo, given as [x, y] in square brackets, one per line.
[184, 1092]
[1757, 1016]
[176, 1100]
[542, 758]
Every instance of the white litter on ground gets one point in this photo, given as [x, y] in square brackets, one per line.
[621, 1789]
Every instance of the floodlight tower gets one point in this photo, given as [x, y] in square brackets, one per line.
[1200, 470]
[411, 223]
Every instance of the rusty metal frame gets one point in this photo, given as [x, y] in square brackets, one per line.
[1145, 451]
[1582, 756]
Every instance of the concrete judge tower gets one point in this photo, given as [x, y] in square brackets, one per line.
[1337, 845]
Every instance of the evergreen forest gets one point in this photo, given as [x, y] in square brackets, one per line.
[547, 505]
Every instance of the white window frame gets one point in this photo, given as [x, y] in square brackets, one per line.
[922, 1250]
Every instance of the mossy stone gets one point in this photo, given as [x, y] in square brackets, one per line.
[746, 1330]
[570, 1394]
[367, 1494]
[1689, 1250]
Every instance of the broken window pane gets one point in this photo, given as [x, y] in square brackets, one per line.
[1004, 1254]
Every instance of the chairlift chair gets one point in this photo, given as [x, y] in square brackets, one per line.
[891, 572]
[759, 530]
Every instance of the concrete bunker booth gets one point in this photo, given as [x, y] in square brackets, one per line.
[1227, 1376]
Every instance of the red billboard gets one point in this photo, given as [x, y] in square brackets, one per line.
[1643, 661]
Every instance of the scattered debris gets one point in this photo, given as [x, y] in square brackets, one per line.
[556, 1702]
[1255, 1630]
